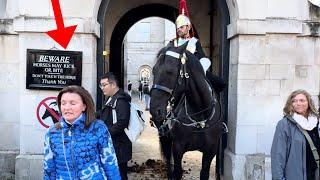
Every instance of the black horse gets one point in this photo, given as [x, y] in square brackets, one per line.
[185, 109]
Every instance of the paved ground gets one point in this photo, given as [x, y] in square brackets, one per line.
[146, 162]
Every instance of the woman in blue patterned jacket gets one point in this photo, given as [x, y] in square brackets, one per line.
[79, 146]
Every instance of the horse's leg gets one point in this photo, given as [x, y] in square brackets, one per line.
[206, 162]
[177, 152]
[166, 145]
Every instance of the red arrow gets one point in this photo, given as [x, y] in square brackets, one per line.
[61, 35]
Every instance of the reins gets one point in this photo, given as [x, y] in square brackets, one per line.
[183, 75]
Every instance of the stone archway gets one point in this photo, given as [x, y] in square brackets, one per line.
[138, 10]
[145, 73]
[217, 46]
[124, 24]
[119, 32]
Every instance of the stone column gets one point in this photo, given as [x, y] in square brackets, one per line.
[271, 55]
[30, 30]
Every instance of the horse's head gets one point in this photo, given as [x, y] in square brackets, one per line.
[166, 74]
[174, 66]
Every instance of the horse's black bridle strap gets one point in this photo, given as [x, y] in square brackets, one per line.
[163, 88]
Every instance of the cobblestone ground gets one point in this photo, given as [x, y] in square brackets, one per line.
[146, 149]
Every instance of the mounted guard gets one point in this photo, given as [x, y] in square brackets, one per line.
[183, 105]
[185, 35]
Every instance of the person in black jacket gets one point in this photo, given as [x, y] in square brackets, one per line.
[146, 92]
[122, 145]
[140, 90]
[129, 87]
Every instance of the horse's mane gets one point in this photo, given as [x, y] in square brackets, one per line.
[194, 63]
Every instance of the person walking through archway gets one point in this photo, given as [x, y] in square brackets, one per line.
[146, 93]
[129, 87]
[140, 90]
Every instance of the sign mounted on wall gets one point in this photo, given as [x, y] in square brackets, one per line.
[48, 112]
[52, 69]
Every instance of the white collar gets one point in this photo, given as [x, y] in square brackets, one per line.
[306, 123]
[181, 41]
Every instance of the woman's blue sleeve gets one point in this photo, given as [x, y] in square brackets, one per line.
[49, 166]
[107, 155]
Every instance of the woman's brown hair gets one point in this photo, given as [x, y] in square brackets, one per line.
[86, 99]
[288, 108]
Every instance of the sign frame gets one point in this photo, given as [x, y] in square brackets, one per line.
[53, 69]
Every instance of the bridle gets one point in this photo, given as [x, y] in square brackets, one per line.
[170, 119]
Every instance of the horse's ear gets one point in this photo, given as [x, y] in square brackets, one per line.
[159, 60]
[161, 52]
[194, 63]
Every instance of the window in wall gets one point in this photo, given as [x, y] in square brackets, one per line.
[140, 32]
[3, 4]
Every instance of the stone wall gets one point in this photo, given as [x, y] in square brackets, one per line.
[23, 26]
[10, 100]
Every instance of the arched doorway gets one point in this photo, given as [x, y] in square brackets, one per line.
[115, 63]
[141, 44]
[122, 27]
[218, 44]
[145, 73]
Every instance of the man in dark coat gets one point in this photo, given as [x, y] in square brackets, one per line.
[146, 92]
[129, 87]
[122, 145]
[140, 90]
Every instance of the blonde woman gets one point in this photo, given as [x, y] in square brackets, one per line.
[291, 155]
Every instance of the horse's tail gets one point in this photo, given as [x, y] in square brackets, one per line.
[166, 147]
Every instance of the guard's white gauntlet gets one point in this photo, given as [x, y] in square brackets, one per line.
[205, 62]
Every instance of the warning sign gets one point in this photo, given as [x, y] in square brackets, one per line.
[51, 69]
[48, 112]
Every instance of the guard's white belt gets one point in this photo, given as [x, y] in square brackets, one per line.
[173, 54]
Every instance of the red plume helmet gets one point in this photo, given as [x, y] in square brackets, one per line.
[183, 18]
[183, 8]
